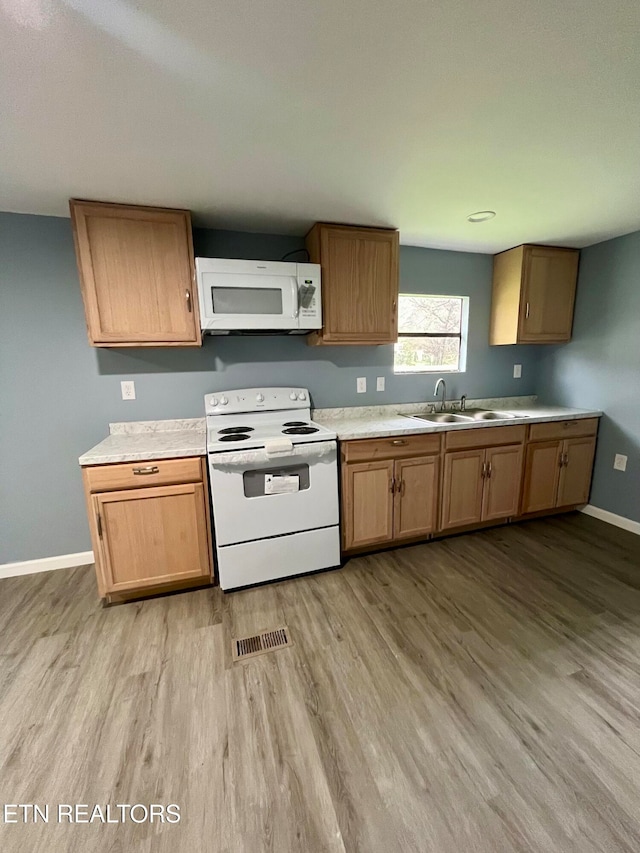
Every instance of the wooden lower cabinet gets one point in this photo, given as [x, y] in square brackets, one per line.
[149, 538]
[481, 485]
[416, 497]
[386, 500]
[462, 488]
[557, 473]
[503, 479]
[392, 492]
[367, 503]
[541, 475]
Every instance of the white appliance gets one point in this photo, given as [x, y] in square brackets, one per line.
[259, 296]
[274, 486]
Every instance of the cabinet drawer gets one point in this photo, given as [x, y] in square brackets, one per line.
[394, 447]
[563, 429]
[135, 475]
[485, 437]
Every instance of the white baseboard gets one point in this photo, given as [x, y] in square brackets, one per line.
[612, 518]
[46, 564]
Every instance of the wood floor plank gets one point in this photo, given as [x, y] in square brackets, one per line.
[476, 693]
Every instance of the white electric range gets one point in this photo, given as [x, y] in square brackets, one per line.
[274, 486]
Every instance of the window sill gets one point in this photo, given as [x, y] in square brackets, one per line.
[437, 371]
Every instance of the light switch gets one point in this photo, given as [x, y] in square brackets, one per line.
[620, 462]
[380, 383]
[128, 389]
[517, 371]
[361, 384]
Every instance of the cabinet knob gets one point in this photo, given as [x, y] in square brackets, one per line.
[187, 295]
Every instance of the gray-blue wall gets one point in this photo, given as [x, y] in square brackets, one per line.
[600, 367]
[57, 394]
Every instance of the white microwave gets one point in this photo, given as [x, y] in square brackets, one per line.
[258, 296]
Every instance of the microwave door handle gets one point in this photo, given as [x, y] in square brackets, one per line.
[294, 296]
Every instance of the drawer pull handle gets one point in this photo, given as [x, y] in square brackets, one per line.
[149, 469]
[399, 442]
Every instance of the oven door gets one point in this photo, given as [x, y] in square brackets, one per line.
[255, 498]
[247, 295]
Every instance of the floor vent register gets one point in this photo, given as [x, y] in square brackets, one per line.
[259, 644]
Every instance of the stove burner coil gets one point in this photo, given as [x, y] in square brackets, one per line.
[301, 430]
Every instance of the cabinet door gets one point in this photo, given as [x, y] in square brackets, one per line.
[367, 503]
[152, 536]
[503, 479]
[549, 288]
[575, 473]
[137, 274]
[359, 285]
[462, 488]
[416, 497]
[541, 475]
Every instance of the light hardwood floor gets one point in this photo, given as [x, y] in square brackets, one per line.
[480, 693]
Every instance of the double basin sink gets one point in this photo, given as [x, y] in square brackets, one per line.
[469, 416]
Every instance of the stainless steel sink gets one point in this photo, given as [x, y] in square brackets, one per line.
[469, 416]
[491, 415]
[443, 418]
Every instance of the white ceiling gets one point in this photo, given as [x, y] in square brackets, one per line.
[272, 114]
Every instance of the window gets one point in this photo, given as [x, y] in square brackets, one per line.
[432, 334]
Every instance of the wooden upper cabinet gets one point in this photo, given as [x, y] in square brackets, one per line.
[534, 290]
[359, 284]
[137, 274]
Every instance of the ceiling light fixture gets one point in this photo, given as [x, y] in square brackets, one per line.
[481, 216]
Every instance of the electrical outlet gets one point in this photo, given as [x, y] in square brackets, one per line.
[128, 389]
[361, 384]
[517, 371]
[380, 383]
[620, 462]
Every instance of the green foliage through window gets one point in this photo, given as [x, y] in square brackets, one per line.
[430, 334]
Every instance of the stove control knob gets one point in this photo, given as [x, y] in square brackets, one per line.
[302, 396]
[223, 401]
[214, 402]
[293, 396]
[259, 398]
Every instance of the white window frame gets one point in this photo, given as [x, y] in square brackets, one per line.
[463, 336]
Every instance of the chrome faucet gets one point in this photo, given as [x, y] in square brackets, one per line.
[444, 392]
[463, 402]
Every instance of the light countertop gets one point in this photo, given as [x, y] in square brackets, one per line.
[381, 424]
[147, 440]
